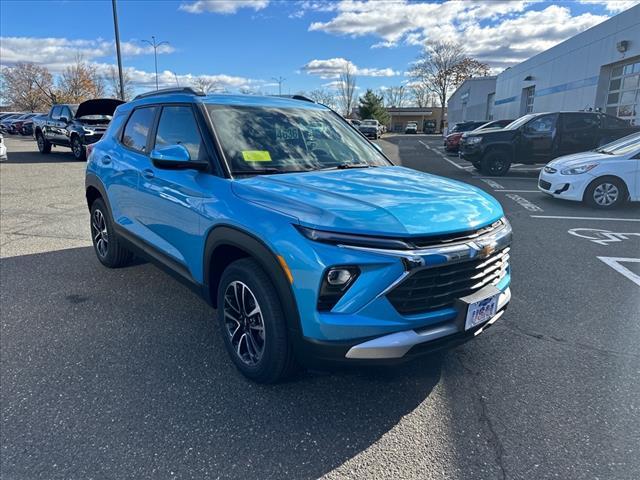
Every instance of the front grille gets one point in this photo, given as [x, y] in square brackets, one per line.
[438, 287]
[544, 185]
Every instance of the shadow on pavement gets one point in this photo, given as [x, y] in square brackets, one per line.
[123, 374]
[62, 155]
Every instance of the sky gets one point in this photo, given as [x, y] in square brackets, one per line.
[245, 44]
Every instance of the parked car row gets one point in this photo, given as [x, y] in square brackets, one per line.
[14, 123]
[539, 138]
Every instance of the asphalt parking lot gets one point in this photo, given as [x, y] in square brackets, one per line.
[123, 374]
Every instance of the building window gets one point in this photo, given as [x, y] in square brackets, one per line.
[491, 98]
[528, 94]
[623, 98]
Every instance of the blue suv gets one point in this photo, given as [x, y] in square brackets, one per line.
[312, 246]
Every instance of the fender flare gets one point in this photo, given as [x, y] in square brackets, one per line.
[92, 181]
[227, 235]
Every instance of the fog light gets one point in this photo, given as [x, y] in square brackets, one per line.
[338, 276]
[336, 281]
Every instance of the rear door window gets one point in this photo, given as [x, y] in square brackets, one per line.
[136, 132]
[580, 121]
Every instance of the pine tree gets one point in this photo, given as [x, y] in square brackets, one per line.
[372, 106]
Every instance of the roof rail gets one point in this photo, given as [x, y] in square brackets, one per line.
[303, 98]
[165, 91]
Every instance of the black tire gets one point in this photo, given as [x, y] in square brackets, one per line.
[276, 360]
[44, 146]
[78, 149]
[606, 192]
[112, 254]
[476, 165]
[495, 163]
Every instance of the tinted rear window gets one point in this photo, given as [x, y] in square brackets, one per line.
[137, 128]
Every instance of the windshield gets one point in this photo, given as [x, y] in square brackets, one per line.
[622, 146]
[519, 122]
[276, 140]
[369, 122]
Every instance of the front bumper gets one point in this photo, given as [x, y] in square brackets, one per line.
[568, 187]
[471, 153]
[367, 326]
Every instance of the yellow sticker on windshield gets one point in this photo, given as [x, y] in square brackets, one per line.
[256, 156]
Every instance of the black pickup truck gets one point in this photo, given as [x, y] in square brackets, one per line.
[74, 126]
[539, 138]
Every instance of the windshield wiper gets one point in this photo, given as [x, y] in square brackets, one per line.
[347, 165]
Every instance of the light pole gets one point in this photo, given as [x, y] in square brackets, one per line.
[115, 25]
[155, 53]
[279, 80]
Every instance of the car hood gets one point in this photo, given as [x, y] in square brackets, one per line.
[580, 158]
[390, 201]
[98, 106]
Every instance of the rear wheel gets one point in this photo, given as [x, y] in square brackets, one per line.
[476, 165]
[495, 163]
[43, 145]
[253, 324]
[106, 243]
[605, 192]
[78, 149]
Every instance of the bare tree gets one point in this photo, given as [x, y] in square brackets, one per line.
[421, 95]
[80, 82]
[440, 68]
[27, 86]
[323, 96]
[395, 96]
[347, 89]
[435, 69]
[112, 79]
[206, 85]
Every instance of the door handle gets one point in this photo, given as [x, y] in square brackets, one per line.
[147, 173]
[106, 159]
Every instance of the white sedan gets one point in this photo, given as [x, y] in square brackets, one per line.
[603, 178]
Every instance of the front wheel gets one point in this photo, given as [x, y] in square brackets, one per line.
[43, 144]
[78, 149]
[605, 192]
[253, 324]
[495, 164]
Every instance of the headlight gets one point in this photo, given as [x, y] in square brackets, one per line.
[349, 239]
[473, 140]
[579, 169]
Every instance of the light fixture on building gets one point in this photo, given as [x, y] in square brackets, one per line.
[528, 78]
[622, 46]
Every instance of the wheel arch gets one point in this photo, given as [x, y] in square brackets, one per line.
[611, 176]
[226, 244]
[94, 188]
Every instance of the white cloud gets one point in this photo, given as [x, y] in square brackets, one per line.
[58, 53]
[333, 67]
[614, 6]
[224, 7]
[499, 32]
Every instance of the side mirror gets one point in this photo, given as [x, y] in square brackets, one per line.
[171, 156]
[64, 119]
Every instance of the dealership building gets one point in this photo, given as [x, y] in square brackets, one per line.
[598, 69]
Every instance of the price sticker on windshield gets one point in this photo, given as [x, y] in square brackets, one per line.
[256, 156]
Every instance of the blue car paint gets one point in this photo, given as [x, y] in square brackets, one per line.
[174, 211]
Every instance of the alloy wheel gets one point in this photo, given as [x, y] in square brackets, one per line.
[606, 194]
[77, 148]
[244, 322]
[99, 233]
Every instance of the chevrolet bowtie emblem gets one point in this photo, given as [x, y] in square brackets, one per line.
[487, 250]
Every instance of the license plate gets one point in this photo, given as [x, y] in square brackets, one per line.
[481, 311]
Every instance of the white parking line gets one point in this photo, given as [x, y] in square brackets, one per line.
[521, 191]
[614, 262]
[558, 217]
[444, 157]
